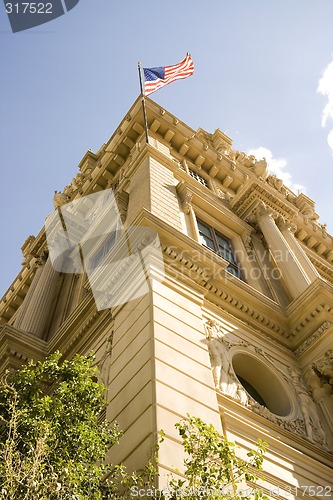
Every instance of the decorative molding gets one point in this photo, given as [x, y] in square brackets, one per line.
[295, 426]
[256, 192]
[204, 278]
[248, 244]
[315, 336]
[226, 382]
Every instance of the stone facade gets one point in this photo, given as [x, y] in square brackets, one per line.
[239, 329]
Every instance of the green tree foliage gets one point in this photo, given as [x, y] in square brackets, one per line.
[213, 469]
[53, 444]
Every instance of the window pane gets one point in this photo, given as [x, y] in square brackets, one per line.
[227, 254]
[208, 242]
[103, 251]
[235, 271]
[110, 242]
[203, 228]
[222, 241]
[97, 259]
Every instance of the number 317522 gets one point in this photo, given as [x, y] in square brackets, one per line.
[29, 8]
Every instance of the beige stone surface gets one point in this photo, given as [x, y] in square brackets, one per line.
[174, 350]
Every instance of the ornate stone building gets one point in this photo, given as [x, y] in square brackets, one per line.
[237, 329]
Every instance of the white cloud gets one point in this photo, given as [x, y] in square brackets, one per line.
[325, 87]
[276, 167]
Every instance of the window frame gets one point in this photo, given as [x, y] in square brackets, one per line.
[228, 252]
[197, 177]
[99, 255]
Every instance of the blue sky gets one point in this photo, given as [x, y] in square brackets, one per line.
[67, 84]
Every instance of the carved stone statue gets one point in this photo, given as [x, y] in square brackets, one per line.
[317, 384]
[313, 427]
[224, 378]
[325, 367]
[309, 212]
[261, 169]
[275, 182]
[59, 199]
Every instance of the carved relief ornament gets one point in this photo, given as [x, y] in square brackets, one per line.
[316, 335]
[223, 373]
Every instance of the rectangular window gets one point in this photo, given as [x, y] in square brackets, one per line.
[221, 245]
[103, 251]
[198, 178]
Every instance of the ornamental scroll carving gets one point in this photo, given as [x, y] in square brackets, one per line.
[315, 336]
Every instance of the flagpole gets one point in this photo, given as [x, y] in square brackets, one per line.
[143, 103]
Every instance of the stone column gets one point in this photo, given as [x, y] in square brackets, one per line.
[296, 281]
[35, 316]
[39, 264]
[288, 230]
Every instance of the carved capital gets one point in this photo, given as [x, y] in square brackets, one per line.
[285, 225]
[264, 210]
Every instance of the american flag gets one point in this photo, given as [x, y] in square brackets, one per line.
[155, 78]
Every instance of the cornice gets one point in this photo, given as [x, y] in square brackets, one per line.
[18, 347]
[257, 191]
[307, 313]
[246, 305]
[315, 238]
